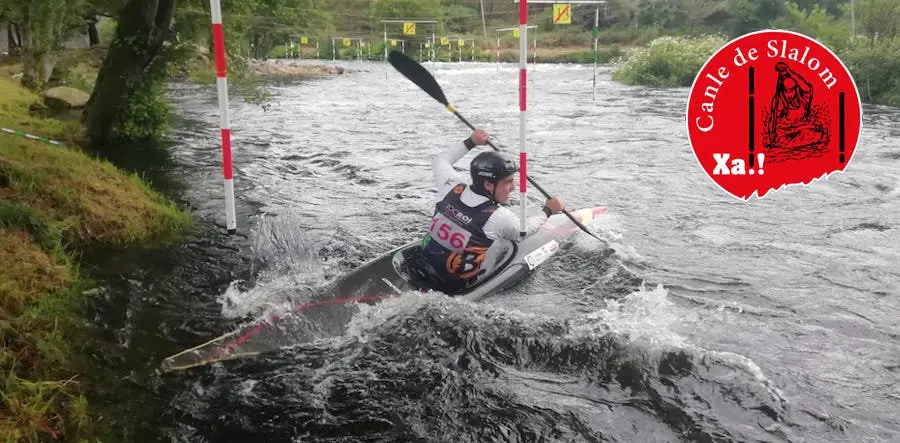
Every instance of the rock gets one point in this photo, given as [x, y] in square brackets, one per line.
[64, 97]
[275, 69]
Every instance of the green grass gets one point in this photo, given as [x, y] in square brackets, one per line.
[55, 201]
[85, 200]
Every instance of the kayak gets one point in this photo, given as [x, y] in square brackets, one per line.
[506, 264]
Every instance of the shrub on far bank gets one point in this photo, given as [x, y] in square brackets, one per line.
[874, 67]
[667, 61]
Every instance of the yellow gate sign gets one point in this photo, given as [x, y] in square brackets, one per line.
[346, 42]
[409, 29]
[393, 42]
[562, 14]
[445, 41]
[516, 32]
[304, 41]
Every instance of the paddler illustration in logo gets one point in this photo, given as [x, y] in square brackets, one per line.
[794, 127]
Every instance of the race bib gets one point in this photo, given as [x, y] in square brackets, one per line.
[449, 234]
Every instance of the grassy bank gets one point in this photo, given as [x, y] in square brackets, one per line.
[54, 202]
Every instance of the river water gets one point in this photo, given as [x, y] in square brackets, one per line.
[700, 318]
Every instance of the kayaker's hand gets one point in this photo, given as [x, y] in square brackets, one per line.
[555, 205]
[480, 137]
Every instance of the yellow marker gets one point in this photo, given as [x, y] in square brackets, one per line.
[462, 43]
[562, 14]
[516, 32]
[445, 41]
[393, 42]
[304, 40]
[427, 44]
[346, 42]
[409, 29]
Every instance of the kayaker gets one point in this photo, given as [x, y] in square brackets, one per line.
[470, 218]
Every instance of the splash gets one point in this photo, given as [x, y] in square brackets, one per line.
[292, 268]
[646, 316]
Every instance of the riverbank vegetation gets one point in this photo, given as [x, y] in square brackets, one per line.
[55, 201]
[872, 55]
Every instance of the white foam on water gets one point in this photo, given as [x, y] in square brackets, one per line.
[271, 296]
[293, 268]
[747, 366]
[373, 316]
[645, 316]
[648, 319]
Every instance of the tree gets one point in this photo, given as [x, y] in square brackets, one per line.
[415, 9]
[14, 39]
[142, 31]
[460, 18]
[750, 15]
[43, 25]
[665, 13]
[815, 22]
[878, 18]
[272, 22]
[701, 14]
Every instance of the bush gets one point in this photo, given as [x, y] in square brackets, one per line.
[145, 115]
[667, 61]
[874, 66]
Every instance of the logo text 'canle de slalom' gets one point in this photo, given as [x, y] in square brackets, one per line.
[780, 100]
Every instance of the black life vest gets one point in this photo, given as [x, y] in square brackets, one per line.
[455, 245]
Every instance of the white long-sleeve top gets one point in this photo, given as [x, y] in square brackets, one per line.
[503, 223]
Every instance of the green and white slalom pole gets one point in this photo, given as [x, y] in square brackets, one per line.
[31, 137]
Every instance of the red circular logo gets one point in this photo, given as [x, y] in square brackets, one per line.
[772, 108]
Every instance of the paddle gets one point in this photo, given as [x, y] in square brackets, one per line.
[417, 74]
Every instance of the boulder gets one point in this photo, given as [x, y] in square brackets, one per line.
[280, 69]
[64, 97]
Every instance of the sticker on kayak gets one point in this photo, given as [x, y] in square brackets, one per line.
[771, 109]
[540, 255]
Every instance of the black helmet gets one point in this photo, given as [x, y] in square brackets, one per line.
[490, 166]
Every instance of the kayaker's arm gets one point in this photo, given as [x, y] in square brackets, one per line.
[442, 165]
[504, 223]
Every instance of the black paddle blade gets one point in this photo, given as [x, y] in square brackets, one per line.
[418, 75]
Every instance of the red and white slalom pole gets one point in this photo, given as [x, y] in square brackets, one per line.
[222, 86]
[523, 82]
